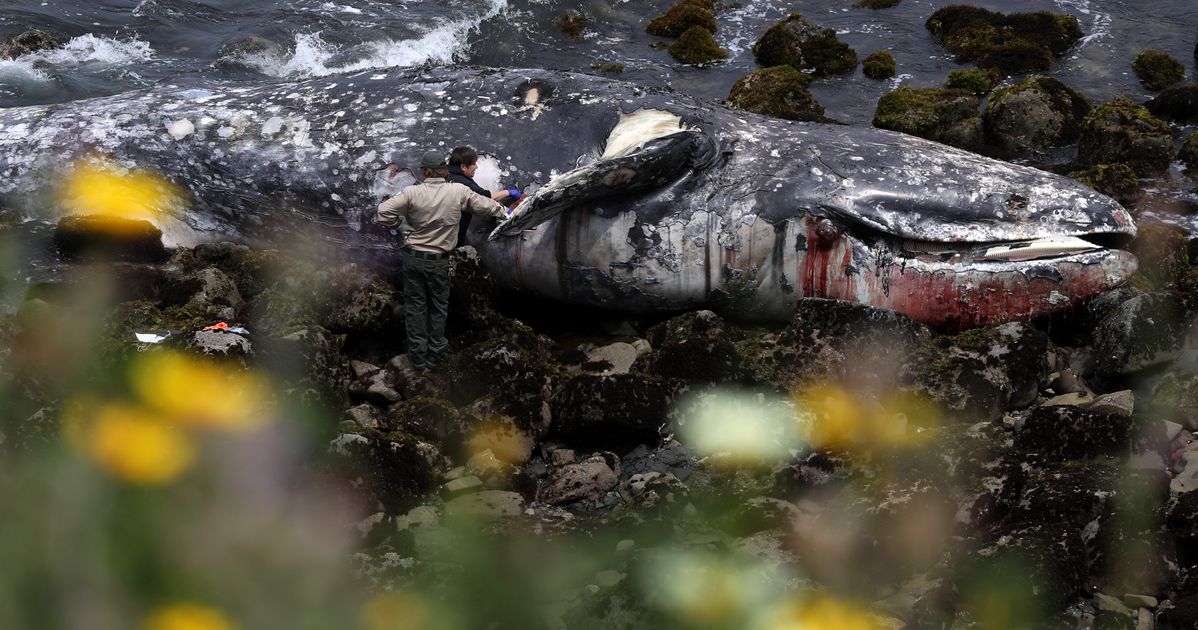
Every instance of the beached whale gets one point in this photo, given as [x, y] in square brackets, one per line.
[640, 199]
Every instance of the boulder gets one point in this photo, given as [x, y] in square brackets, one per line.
[879, 65]
[214, 342]
[778, 91]
[1014, 43]
[696, 347]
[979, 374]
[486, 504]
[96, 237]
[654, 491]
[838, 340]
[1174, 398]
[615, 412]
[697, 45]
[978, 81]
[590, 479]
[1145, 331]
[1178, 103]
[28, 42]
[248, 52]
[681, 16]
[796, 42]
[1162, 251]
[208, 293]
[1188, 154]
[1037, 113]
[1122, 132]
[1064, 433]
[310, 363]
[1158, 70]
[1117, 181]
[430, 419]
[394, 469]
[932, 113]
[1181, 614]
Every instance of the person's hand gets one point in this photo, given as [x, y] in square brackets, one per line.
[514, 193]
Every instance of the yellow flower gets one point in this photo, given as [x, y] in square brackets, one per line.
[843, 419]
[397, 610]
[135, 445]
[187, 617]
[100, 189]
[821, 613]
[200, 393]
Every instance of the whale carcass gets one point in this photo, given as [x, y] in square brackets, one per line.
[640, 199]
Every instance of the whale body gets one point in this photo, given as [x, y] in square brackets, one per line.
[640, 199]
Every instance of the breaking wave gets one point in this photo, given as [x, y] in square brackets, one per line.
[80, 51]
[314, 57]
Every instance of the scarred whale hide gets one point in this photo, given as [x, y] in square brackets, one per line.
[641, 199]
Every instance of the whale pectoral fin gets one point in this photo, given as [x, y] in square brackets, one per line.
[656, 164]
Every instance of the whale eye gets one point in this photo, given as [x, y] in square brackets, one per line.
[826, 232]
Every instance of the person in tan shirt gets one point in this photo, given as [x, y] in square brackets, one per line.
[433, 208]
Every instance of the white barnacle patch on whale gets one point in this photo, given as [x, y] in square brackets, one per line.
[272, 127]
[178, 129]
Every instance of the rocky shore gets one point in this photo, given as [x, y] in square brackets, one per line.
[854, 450]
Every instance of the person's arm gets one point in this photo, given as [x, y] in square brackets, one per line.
[391, 210]
[481, 205]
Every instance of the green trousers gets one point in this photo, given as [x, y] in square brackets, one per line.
[426, 305]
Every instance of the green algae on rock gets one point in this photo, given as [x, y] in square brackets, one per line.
[1157, 70]
[977, 80]
[927, 112]
[879, 65]
[697, 45]
[1116, 181]
[796, 42]
[681, 16]
[571, 23]
[608, 67]
[1036, 113]
[1122, 132]
[780, 91]
[1014, 43]
[1189, 152]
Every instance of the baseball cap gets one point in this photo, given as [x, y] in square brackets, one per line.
[433, 159]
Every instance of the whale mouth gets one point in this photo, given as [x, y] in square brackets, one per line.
[1016, 251]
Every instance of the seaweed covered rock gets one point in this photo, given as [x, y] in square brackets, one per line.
[247, 52]
[429, 419]
[361, 304]
[1175, 398]
[1116, 181]
[394, 469]
[1057, 433]
[252, 270]
[933, 113]
[1178, 103]
[879, 65]
[1189, 152]
[681, 16]
[571, 23]
[697, 45]
[1157, 70]
[780, 91]
[1015, 43]
[208, 293]
[473, 316]
[1144, 331]
[1122, 132]
[29, 42]
[96, 237]
[614, 412]
[310, 363]
[1037, 113]
[796, 42]
[976, 80]
[979, 374]
[838, 340]
[492, 365]
[694, 347]
[1162, 251]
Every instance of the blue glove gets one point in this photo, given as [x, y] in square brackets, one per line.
[514, 193]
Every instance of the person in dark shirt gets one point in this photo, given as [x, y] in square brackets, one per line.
[463, 163]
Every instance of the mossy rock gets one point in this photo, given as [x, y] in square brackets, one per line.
[1116, 181]
[925, 112]
[571, 23]
[1146, 331]
[252, 270]
[879, 65]
[876, 4]
[1163, 254]
[97, 237]
[681, 16]
[1037, 113]
[608, 67]
[697, 45]
[1189, 152]
[796, 42]
[780, 91]
[27, 43]
[1014, 43]
[977, 80]
[1122, 132]
[1179, 103]
[275, 311]
[695, 347]
[1157, 70]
